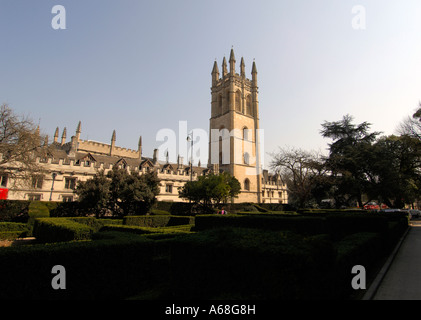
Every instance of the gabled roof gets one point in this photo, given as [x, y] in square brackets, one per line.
[168, 166]
[146, 163]
[87, 156]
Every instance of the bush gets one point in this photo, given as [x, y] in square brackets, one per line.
[14, 210]
[341, 225]
[251, 264]
[12, 230]
[366, 249]
[181, 208]
[298, 224]
[68, 209]
[157, 221]
[148, 230]
[38, 209]
[115, 267]
[60, 229]
[337, 225]
[156, 212]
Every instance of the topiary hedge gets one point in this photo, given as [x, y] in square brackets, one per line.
[336, 225]
[14, 210]
[157, 221]
[60, 229]
[241, 263]
[306, 225]
[13, 230]
[115, 267]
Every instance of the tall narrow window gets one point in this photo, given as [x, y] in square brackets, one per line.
[37, 182]
[228, 101]
[238, 101]
[70, 183]
[246, 134]
[247, 184]
[3, 180]
[248, 106]
[168, 188]
[220, 111]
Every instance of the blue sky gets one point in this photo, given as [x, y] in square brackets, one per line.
[140, 66]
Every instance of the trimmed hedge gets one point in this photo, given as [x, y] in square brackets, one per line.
[115, 267]
[306, 225]
[366, 249]
[68, 229]
[157, 221]
[60, 229]
[237, 263]
[148, 230]
[336, 225]
[14, 210]
[38, 209]
[13, 230]
[219, 263]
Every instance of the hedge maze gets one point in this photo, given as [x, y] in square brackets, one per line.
[248, 255]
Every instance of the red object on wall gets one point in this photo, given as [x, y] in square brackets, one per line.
[3, 193]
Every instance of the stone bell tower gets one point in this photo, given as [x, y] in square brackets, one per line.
[234, 127]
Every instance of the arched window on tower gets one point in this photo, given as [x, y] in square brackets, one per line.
[249, 110]
[220, 104]
[246, 134]
[238, 101]
[247, 184]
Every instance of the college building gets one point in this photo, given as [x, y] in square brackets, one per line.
[234, 146]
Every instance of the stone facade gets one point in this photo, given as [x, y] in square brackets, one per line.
[234, 120]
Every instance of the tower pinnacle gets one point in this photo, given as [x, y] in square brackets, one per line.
[232, 62]
[224, 67]
[215, 72]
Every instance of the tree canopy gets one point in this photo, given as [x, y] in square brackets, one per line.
[20, 143]
[360, 165]
[119, 192]
[211, 189]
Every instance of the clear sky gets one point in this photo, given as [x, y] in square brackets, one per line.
[140, 66]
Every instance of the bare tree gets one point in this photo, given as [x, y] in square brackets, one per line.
[299, 168]
[411, 126]
[20, 144]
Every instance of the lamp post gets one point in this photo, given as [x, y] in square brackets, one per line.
[191, 158]
[52, 185]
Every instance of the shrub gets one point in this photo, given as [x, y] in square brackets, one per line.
[181, 208]
[14, 210]
[306, 225]
[251, 264]
[157, 221]
[13, 226]
[60, 229]
[158, 212]
[340, 225]
[364, 248]
[148, 230]
[12, 230]
[68, 209]
[115, 267]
